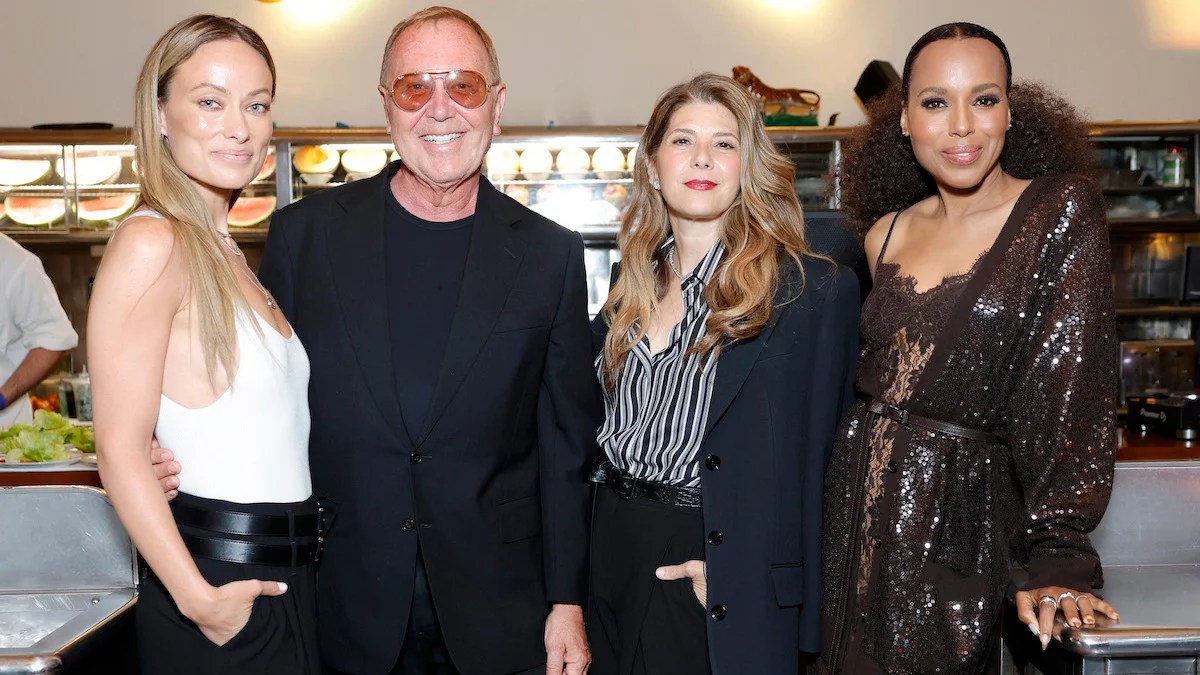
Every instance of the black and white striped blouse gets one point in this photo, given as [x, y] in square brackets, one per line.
[655, 416]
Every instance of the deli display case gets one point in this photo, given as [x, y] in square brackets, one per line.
[579, 177]
[69, 587]
[64, 190]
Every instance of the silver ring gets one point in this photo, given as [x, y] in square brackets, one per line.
[1048, 599]
[1065, 594]
[1082, 596]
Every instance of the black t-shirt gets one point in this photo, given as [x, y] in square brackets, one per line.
[425, 263]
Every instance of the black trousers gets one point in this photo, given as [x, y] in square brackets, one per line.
[637, 624]
[424, 651]
[280, 637]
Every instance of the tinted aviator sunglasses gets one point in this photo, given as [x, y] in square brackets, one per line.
[467, 88]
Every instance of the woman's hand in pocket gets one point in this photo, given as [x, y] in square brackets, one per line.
[227, 611]
[692, 569]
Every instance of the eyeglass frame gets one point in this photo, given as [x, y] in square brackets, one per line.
[391, 91]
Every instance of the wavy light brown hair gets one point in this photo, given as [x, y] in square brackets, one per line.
[761, 230]
[166, 189]
[879, 174]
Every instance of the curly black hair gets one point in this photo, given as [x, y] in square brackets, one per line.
[878, 172]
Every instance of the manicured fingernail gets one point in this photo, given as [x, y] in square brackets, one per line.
[1075, 623]
[1089, 621]
[1045, 641]
[1034, 628]
[282, 587]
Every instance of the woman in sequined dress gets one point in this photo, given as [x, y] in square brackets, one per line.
[984, 430]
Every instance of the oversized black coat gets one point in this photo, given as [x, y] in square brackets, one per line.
[776, 404]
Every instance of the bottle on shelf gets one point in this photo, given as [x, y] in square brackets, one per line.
[1172, 167]
[83, 395]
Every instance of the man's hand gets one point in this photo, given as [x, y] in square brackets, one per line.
[166, 469]
[566, 642]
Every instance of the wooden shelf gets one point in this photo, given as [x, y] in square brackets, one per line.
[1159, 310]
[66, 239]
[1151, 225]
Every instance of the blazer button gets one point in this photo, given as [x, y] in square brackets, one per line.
[712, 462]
[891, 466]
[718, 613]
[415, 457]
[876, 542]
[715, 537]
[409, 524]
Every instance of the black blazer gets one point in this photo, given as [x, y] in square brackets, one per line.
[776, 404]
[494, 489]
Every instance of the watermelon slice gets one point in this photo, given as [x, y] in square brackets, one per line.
[91, 170]
[267, 169]
[22, 171]
[35, 211]
[106, 208]
[249, 211]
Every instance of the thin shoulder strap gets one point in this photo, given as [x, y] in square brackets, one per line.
[886, 239]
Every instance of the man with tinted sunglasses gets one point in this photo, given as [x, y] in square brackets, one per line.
[453, 402]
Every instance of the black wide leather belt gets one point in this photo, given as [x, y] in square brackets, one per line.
[304, 524]
[628, 487]
[305, 528]
[296, 554]
[905, 418]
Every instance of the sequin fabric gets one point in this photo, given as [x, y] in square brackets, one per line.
[921, 528]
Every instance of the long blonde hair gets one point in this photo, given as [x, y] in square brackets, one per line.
[762, 227]
[166, 189]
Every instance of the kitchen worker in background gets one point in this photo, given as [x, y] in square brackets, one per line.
[34, 330]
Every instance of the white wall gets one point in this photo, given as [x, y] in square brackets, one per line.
[592, 62]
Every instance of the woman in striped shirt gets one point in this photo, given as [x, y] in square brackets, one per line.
[726, 353]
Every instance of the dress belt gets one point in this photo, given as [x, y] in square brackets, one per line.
[307, 523]
[295, 554]
[905, 418]
[627, 487]
[305, 528]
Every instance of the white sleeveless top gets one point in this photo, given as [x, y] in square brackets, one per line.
[251, 444]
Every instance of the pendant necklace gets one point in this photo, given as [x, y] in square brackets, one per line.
[671, 263]
[230, 244]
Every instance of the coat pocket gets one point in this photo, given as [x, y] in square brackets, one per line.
[517, 320]
[789, 584]
[521, 519]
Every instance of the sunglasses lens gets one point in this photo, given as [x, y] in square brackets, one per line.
[465, 87]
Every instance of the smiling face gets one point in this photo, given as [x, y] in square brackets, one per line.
[442, 144]
[957, 112]
[698, 164]
[216, 115]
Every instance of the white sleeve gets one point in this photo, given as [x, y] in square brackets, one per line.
[35, 309]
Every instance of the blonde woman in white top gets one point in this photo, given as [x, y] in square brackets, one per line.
[186, 345]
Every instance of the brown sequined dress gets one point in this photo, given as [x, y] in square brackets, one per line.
[922, 527]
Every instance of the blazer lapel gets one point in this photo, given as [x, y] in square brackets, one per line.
[738, 359]
[492, 262]
[356, 249]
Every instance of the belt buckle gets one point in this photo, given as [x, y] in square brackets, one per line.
[621, 484]
[320, 547]
[896, 413]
